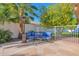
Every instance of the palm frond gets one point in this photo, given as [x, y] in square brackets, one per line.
[26, 14]
[34, 7]
[34, 14]
[32, 18]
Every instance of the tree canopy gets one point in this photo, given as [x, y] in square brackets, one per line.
[58, 15]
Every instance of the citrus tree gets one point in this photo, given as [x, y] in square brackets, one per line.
[58, 15]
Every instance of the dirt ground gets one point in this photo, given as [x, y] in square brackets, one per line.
[55, 48]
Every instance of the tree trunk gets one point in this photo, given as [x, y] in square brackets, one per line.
[76, 9]
[22, 26]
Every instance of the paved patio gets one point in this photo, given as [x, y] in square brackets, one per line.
[56, 48]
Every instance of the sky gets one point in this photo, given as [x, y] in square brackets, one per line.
[39, 5]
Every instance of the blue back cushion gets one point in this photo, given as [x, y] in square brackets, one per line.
[39, 34]
[31, 34]
[47, 34]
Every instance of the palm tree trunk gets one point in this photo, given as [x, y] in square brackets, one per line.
[22, 25]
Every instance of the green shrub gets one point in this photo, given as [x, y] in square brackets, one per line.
[66, 34]
[5, 35]
[70, 34]
[75, 34]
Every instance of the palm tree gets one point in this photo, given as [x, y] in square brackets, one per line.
[22, 10]
[18, 13]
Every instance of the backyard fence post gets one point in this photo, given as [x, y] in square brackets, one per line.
[55, 32]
